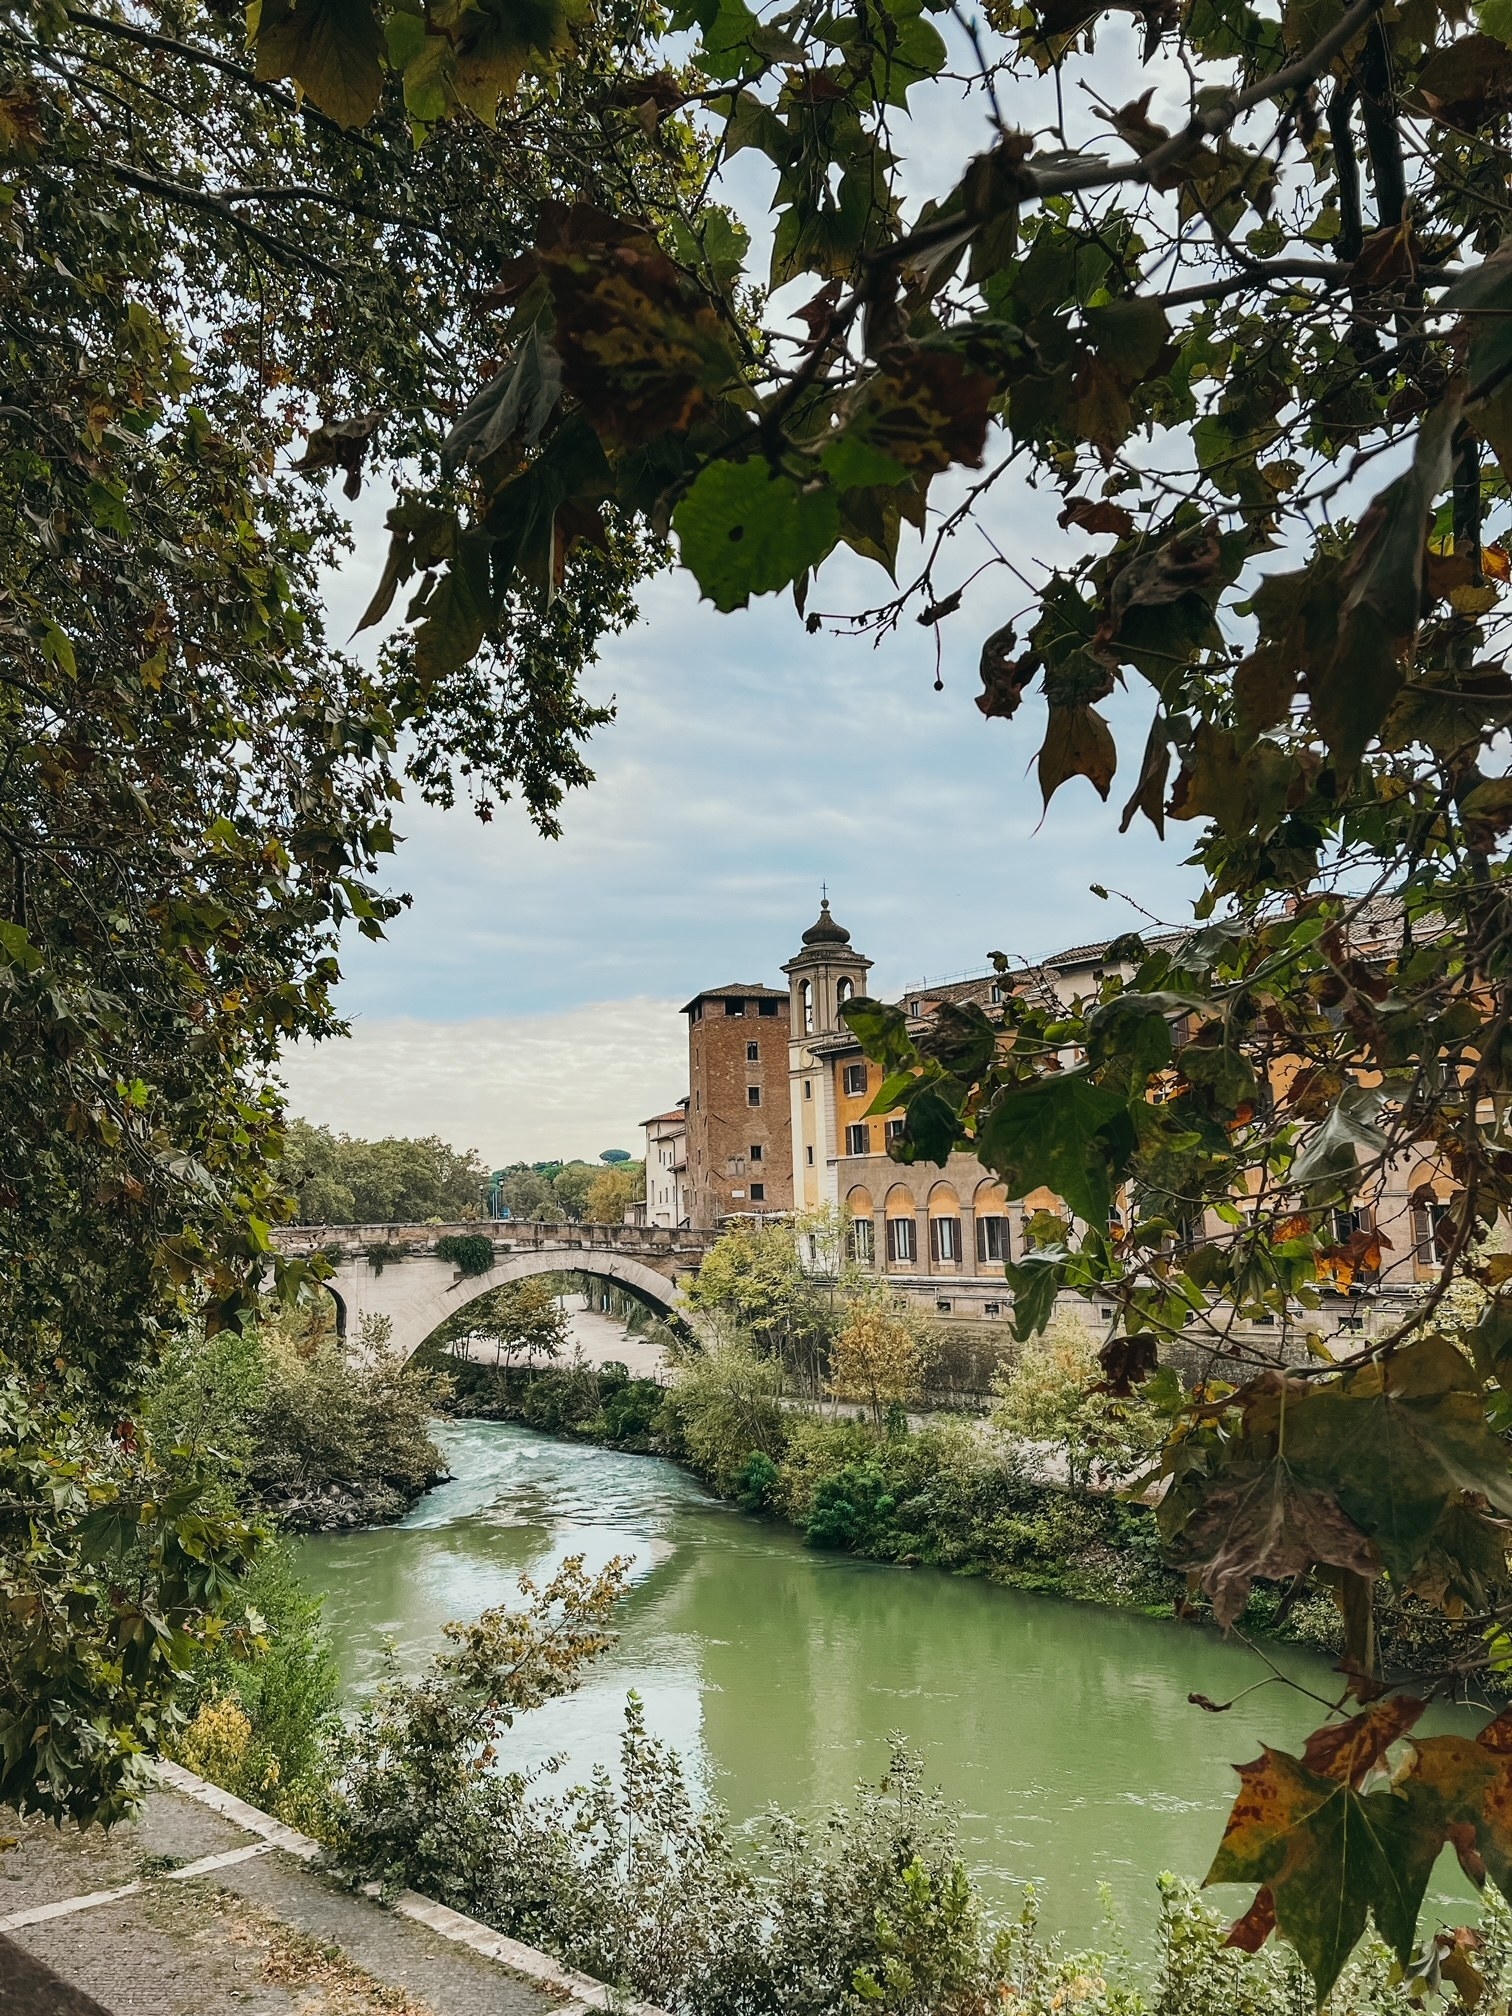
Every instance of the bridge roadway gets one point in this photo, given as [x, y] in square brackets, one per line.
[395, 1270]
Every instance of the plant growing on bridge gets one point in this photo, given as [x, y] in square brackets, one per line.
[468, 1252]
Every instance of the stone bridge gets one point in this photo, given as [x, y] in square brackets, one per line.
[395, 1271]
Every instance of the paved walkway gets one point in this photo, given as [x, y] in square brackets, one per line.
[204, 1905]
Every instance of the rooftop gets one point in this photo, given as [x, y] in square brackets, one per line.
[749, 990]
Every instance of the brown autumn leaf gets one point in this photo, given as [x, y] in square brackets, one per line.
[1078, 743]
[1094, 515]
[1183, 565]
[1388, 258]
[1350, 1751]
[927, 408]
[1467, 83]
[339, 444]
[1250, 1932]
[640, 346]
[1126, 1362]
[1148, 795]
[1004, 677]
[1257, 1519]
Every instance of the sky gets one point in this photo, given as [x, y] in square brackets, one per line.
[526, 1005]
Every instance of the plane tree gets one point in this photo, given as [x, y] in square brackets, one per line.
[1223, 282]
[216, 302]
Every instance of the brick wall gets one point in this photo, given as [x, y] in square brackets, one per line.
[724, 1126]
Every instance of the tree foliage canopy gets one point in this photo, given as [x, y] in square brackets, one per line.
[1241, 321]
[212, 300]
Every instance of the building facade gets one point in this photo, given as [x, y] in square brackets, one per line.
[739, 1141]
[666, 1201]
[777, 1120]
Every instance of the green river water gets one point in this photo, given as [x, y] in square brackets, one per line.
[1062, 1731]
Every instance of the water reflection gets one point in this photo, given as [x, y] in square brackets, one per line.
[1063, 1732]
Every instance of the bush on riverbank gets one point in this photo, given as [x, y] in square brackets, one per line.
[578, 1401]
[289, 1424]
[638, 1881]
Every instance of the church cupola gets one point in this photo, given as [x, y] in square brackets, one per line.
[826, 974]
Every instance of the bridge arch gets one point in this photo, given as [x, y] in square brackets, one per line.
[419, 1294]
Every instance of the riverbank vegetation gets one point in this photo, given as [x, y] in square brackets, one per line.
[295, 1427]
[640, 1880]
[337, 1179]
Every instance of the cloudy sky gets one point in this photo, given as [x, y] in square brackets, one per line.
[526, 1005]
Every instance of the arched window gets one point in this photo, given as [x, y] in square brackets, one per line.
[843, 992]
[806, 1003]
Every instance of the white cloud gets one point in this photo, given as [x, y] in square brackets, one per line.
[515, 1087]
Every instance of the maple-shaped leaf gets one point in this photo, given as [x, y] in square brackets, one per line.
[924, 409]
[1466, 1782]
[1330, 1856]
[333, 49]
[1062, 1132]
[1257, 1519]
[1396, 1441]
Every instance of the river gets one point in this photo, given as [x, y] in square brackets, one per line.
[1062, 1731]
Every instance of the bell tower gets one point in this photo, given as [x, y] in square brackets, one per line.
[822, 977]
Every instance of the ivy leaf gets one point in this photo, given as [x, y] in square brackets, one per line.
[333, 49]
[745, 529]
[1062, 1132]
[1396, 1441]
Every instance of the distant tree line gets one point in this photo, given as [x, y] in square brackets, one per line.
[594, 1193]
[339, 1180]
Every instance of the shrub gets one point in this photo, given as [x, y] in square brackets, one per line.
[468, 1252]
[755, 1482]
[726, 1406]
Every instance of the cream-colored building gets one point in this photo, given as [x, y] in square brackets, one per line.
[944, 1234]
[666, 1167]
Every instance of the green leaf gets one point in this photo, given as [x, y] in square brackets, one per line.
[1061, 1132]
[1395, 1442]
[333, 49]
[1330, 1856]
[745, 530]
[1035, 1282]
[882, 1032]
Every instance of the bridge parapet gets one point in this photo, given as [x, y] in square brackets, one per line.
[395, 1272]
[507, 1235]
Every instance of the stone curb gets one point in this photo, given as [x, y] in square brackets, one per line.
[580, 1993]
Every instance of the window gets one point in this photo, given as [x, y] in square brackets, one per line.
[806, 1006]
[766, 1007]
[943, 1307]
[892, 1130]
[913, 1007]
[862, 1240]
[734, 1007]
[858, 1139]
[843, 992]
[992, 1238]
[995, 992]
[809, 1156]
[808, 1088]
[758, 1193]
[1428, 1233]
[756, 1151]
[753, 1095]
[695, 1013]
[1351, 1322]
[1347, 1223]
[991, 1309]
[900, 1239]
[944, 1238]
[698, 1102]
[855, 1081]
[753, 1053]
